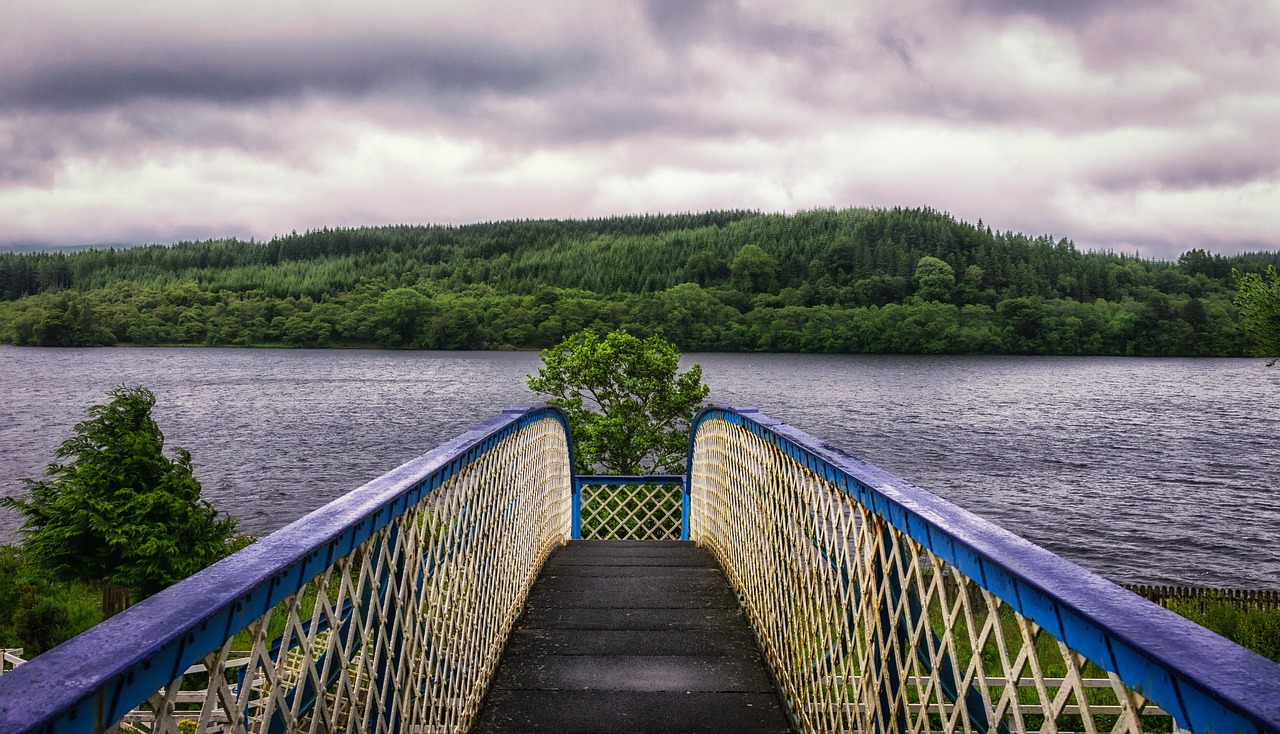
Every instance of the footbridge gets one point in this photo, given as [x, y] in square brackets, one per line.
[780, 585]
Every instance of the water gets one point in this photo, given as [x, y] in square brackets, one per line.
[1143, 470]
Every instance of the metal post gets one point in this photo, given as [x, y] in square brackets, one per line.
[575, 531]
[684, 507]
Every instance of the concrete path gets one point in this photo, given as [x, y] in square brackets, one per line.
[632, 636]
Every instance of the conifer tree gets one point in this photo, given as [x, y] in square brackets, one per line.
[120, 512]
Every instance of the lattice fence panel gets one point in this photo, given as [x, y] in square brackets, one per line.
[403, 634]
[865, 629]
[631, 511]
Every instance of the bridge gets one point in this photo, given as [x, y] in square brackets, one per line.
[779, 585]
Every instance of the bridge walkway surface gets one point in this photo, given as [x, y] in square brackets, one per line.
[632, 636]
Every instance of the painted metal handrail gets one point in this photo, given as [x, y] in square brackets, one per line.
[881, 607]
[650, 510]
[383, 611]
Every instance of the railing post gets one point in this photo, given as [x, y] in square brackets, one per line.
[575, 527]
[684, 507]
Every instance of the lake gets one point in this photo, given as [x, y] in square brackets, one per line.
[1143, 470]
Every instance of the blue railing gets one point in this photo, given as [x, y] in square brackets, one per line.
[881, 607]
[385, 610]
[878, 606]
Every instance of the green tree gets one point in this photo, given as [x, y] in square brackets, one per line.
[753, 270]
[1259, 302]
[935, 279]
[706, 267]
[401, 316]
[629, 407]
[121, 513]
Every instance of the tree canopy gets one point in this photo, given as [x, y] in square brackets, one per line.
[629, 406]
[119, 511]
[1259, 301]
[833, 281]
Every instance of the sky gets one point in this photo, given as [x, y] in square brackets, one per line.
[1137, 126]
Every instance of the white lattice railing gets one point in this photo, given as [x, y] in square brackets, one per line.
[614, 507]
[385, 611]
[882, 608]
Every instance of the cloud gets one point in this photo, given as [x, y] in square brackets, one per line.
[677, 24]
[1103, 122]
[1075, 15]
[247, 74]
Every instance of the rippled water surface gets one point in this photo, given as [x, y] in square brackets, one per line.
[1144, 470]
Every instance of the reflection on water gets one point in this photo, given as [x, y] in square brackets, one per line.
[1144, 470]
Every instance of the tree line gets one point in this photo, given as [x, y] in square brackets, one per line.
[835, 281]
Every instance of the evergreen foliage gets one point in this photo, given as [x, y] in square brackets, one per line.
[1259, 301]
[854, 280]
[120, 512]
[629, 407]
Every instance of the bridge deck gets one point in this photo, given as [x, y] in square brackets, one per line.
[625, 636]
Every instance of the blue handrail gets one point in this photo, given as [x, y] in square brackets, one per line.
[88, 683]
[1207, 682]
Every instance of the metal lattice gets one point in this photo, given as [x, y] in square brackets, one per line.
[403, 633]
[631, 511]
[865, 629]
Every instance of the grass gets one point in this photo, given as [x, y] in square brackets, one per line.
[38, 612]
[1254, 628]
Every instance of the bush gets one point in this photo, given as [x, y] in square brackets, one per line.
[37, 613]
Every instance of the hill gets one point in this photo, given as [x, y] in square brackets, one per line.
[853, 280]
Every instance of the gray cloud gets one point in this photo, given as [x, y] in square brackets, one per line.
[1074, 14]
[33, 148]
[680, 24]
[243, 73]
[1213, 167]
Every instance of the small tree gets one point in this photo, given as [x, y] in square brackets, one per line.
[629, 408]
[120, 512]
[1259, 302]
[935, 279]
[753, 270]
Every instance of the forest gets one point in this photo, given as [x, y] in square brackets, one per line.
[833, 281]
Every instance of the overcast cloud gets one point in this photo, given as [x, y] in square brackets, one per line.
[1137, 125]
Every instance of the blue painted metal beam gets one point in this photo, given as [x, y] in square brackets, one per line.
[89, 682]
[619, 479]
[1207, 682]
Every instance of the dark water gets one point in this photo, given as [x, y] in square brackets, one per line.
[1146, 471]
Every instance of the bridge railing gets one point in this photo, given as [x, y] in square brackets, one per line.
[621, 507]
[385, 611]
[880, 607]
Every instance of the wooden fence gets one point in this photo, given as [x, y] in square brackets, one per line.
[1240, 598]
